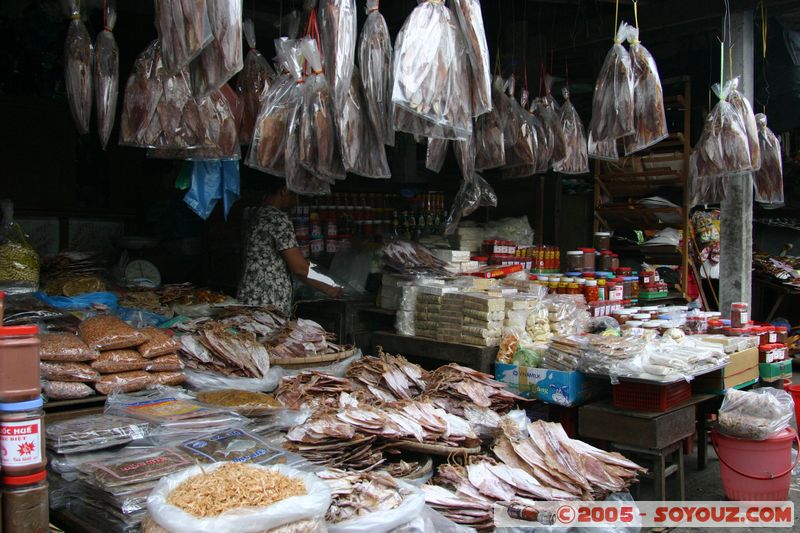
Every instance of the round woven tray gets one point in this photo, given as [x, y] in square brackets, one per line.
[313, 360]
[433, 449]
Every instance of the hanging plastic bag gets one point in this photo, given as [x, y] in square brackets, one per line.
[489, 128]
[649, 117]
[545, 141]
[576, 160]
[222, 58]
[465, 156]
[19, 262]
[142, 94]
[363, 152]
[603, 150]
[106, 74]
[706, 191]
[757, 414]
[745, 111]
[436, 154]
[552, 125]
[723, 148]
[521, 153]
[473, 193]
[768, 180]
[183, 29]
[213, 181]
[612, 103]
[252, 84]
[338, 32]
[430, 78]
[375, 60]
[78, 61]
[470, 20]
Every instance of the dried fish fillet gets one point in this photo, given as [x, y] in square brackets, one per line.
[649, 117]
[223, 57]
[489, 131]
[723, 147]
[470, 20]
[612, 103]
[337, 29]
[106, 75]
[521, 140]
[143, 92]
[577, 157]
[252, 84]
[375, 60]
[363, 151]
[184, 30]
[745, 111]
[603, 150]
[768, 180]
[78, 61]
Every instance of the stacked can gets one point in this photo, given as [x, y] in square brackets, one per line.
[24, 480]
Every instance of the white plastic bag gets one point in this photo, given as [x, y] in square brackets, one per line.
[757, 414]
[245, 520]
[385, 521]
[202, 380]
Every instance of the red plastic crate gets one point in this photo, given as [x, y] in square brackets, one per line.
[650, 397]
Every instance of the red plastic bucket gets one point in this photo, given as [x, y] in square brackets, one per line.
[756, 470]
[794, 390]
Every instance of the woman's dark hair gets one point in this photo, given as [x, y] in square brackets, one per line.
[260, 183]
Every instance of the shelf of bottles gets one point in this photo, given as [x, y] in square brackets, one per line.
[329, 224]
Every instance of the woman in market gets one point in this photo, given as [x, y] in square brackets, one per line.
[271, 253]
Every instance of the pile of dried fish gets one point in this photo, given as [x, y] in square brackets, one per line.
[768, 180]
[412, 258]
[388, 377]
[463, 505]
[649, 118]
[312, 390]
[577, 157]
[461, 384]
[222, 58]
[252, 84]
[106, 75]
[78, 61]
[183, 29]
[375, 60]
[325, 440]
[363, 493]
[301, 338]
[233, 353]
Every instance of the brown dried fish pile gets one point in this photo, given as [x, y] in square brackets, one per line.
[464, 384]
[252, 84]
[78, 61]
[375, 60]
[362, 493]
[312, 390]
[106, 75]
[233, 353]
[388, 377]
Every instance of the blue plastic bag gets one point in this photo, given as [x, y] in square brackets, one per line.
[81, 301]
[212, 181]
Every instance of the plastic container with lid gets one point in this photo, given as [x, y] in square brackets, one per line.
[575, 261]
[25, 503]
[772, 353]
[740, 314]
[716, 327]
[19, 363]
[737, 332]
[588, 259]
[604, 260]
[591, 291]
[633, 324]
[602, 240]
[696, 324]
[781, 334]
[614, 261]
[22, 438]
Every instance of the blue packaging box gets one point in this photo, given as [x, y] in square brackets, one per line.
[558, 387]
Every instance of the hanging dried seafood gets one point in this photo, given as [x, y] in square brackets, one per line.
[78, 61]
[470, 20]
[551, 122]
[183, 29]
[612, 103]
[520, 138]
[545, 140]
[723, 147]
[106, 74]
[222, 58]
[363, 152]
[768, 180]
[474, 192]
[489, 128]
[375, 60]
[436, 154]
[649, 117]
[142, 94]
[707, 191]
[430, 78]
[338, 33]
[745, 111]
[604, 150]
[252, 84]
[577, 157]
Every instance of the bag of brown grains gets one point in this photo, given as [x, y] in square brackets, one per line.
[65, 348]
[70, 372]
[106, 332]
[159, 343]
[115, 361]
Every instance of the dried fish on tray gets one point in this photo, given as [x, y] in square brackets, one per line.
[78, 61]
[470, 20]
[222, 58]
[612, 103]
[489, 131]
[106, 74]
[464, 384]
[576, 160]
[768, 180]
[220, 350]
[184, 29]
[649, 117]
[388, 377]
[375, 60]
[252, 84]
[723, 147]
[338, 33]
[312, 390]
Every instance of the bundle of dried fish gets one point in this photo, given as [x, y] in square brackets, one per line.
[707, 191]
[252, 84]
[301, 338]
[521, 140]
[183, 29]
[312, 390]
[554, 138]
[768, 180]
[78, 61]
[375, 60]
[106, 75]
[612, 103]
[649, 118]
[465, 384]
[363, 493]
[363, 152]
[430, 77]
[723, 147]
[325, 440]
[489, 127]
[464, 505]
[223, 57]
[470, 20]
[412, 258]
[231, 353]
[577, 157]
[143, 92]
[338, 33]
[745, 111]
[388, 377]
[604, 150]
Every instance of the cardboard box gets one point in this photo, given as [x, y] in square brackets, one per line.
[557, 387]
[740, 371]
[775, 371]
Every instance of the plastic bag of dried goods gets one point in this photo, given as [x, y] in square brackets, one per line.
[65, 390]
[551, 122]
[19, 262]
[313, 503]
[745, 111]
[183, 29]
[106, 74]
[222, 58]
[93, 432]
[363, 152]
[706, 191]
[375, 60]
[520, 137]
[252, 84]
[115, 361]
[649, 117]
[723, 147]
[612, 103]
[473, 193]
[123, 382]
[106, 332]
[768, 180]
[78, 62]
[71, 372]
[159, 342]
[142, 95]
[436, 154]
[470, 20]
[603, 150]
[465, 156]
[489, 131]
[577, 155]
[545, 139]
[430, 77]
[757, 414]
[338, 33]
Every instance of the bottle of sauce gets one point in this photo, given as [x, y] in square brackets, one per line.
[22, 438]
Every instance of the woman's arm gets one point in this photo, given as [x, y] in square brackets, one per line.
[299, 267]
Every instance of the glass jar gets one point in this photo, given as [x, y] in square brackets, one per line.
[716, 327]
[19, 363]
[22, 438]
[696, 324]
[575, 261]
[628, 288]
[602, 240]
[588, 259]
[614, 261]
[591, 290]
[25, 503]
[562, 287]
[740, 314]
[604, 261]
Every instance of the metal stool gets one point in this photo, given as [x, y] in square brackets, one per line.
[666, 462]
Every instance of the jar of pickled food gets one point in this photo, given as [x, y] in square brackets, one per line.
[604, 261]
[575, 261]
[588, 259]
[591, 290]
[740, 314]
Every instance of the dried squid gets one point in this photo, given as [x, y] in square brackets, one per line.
[649, 118]
[363, 153]
[184, 30]
[723, 147]
[222, 58]
[106, 75]
[577, 157]
[375, 60]
[78, 61]
[612, 103]
[470, 19]
[489, 127]
[768, 180]
[252, 84]
[520, 138]
[142, 94]
[551, 122]
[745, 111]
[338, 32]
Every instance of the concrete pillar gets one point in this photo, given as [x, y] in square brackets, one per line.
[736, 219]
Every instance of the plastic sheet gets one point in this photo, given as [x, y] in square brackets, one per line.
[489, 131]
[612, 103]
[252, 84]
[649, 117]
[375, 60]
[201, 380]
[756, 414]
[745, 111]
[184, 30]
[723, 148]
[362, 149]
[106, 74]
[430, 77]
[78, 62]
[222, 58]
[473, 193]
[470, 20]
[93, 432]
[337, 29]
[576, 160]
[768, 180]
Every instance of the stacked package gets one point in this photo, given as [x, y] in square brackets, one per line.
[456, 261]
[469, 238]
[451, 318]
[483, 319]
[427, 311]
[405, 319]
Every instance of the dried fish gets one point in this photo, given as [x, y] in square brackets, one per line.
[768, 180]
[412, 258]
[723, 147]
[252, 84]
[436, 154]
[603, 150]
[489, 131]
[106, 75]
[223, 57]
[388, 377]
[363, 153]
[361, 493]
[745, 111]
[78, 61]
[577, 157]
[375, 60]
[521, 139]
[312, 390]
[239, 351]
[469, 385]
[470, 20]
[612, 103]
[184, 30]
[337, 29]
[553, 134]
[649, 118]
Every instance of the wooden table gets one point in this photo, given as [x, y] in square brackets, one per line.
[424, 350]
